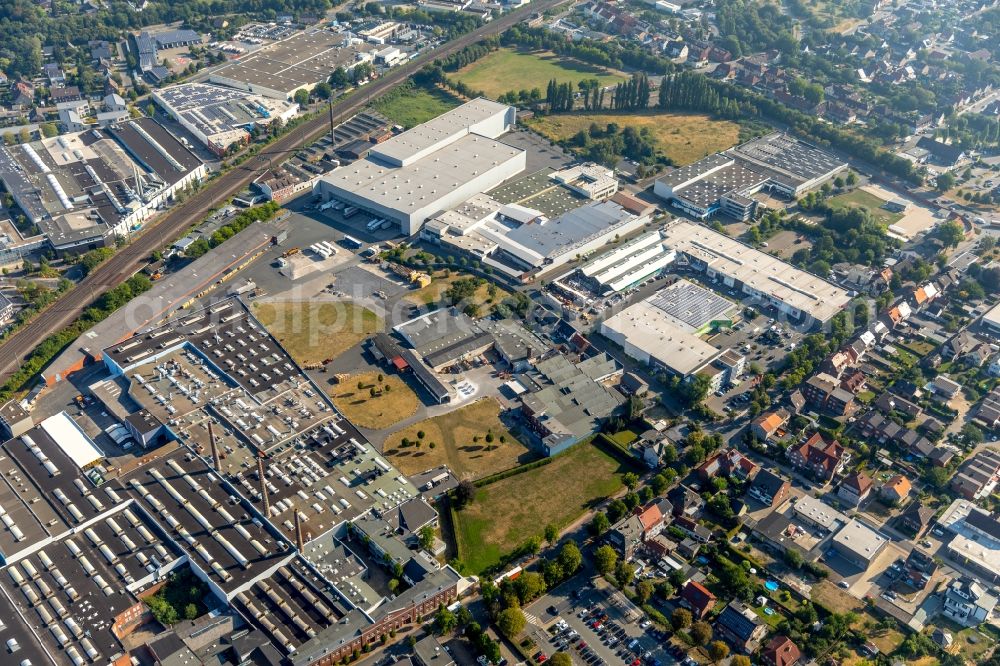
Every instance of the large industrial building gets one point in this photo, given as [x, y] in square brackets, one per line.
[663, 330]
[430, 168]
[84, 189]
[220, 117]
[248, 475]
[726, 182]
[298, 63]
[753, 273]
[521, 242]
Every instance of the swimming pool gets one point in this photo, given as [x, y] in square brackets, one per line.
[771, 585]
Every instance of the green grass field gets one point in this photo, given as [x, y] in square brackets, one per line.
[862, 199]
[506, 70]
[507, 513]
[415, 105]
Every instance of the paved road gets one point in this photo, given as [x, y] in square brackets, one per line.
[171, 225]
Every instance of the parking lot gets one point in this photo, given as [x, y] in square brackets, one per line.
[592, 629]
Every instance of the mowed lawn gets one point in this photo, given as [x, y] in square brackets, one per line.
[683, 137]
[416, 105]
[314, 332]
[459, 441]
[507, 69]
[393, 400]
[507, 513]
[862, 199]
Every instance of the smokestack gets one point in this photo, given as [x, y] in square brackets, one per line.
[299, 543]
[263, 485]
[215, 449]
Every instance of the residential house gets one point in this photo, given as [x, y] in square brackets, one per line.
[836, 363]
[854, 381]
[855, 488]
[943, 388]
[22, 96]
[650, 448]
[916, 519]
[959, 345]
[685, 501]
[697, 599]
[730, 464]
[781, 651]
[977, 476]
[629, 533]
[968, 603]
[769, 489]
[823, 390]
[979, 355]
[819, 457]
[944, 153]
[896, 489]
[988, 411]
[690, 526]
[740, 627]
[768, 425]
[890, 402]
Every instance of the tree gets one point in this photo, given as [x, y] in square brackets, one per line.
[444, 621]
[793, 558]
[511, 622]
[301, 97]
[551, 534]
[528, 586]
[951, 233]
[631, 480]
[624, 573]
[426, 537]
[570, 558]
[680, 619]
[561, 659]
[322, 90]
[465, 492]
[600, 524]
[718, 651]
[605, 559]
[945, 182]
[643, 591]
[740, 660]
[701, 633]
[973, 435]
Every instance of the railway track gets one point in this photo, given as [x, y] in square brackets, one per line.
[173, 223]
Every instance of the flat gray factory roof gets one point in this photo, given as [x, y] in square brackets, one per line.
[229, 544]
[658, 334]
[426, 180]
[303, 59]
[571, 229]
[788, 159]
[448, 125]
[732, 178]
[697, 169]
[292, 605]
[691, 304]
[167, 294]
[445, 325]
[758, 270]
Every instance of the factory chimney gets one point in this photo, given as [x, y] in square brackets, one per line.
[263, 485]
[299, 543]
[215, 449]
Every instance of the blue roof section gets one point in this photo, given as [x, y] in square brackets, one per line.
[571, 228]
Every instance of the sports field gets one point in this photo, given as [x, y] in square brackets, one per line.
[683, 137]
[505, 514]
[458, 439]
[414, 105]
[314, 332]
[506, 70]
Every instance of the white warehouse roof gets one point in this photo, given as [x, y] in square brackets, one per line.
[73, 441]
